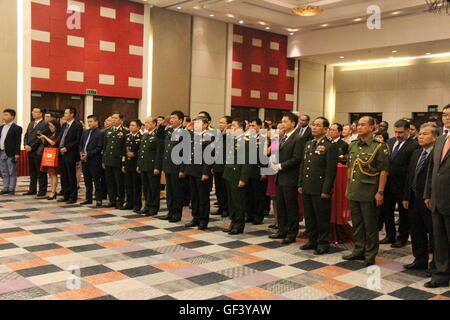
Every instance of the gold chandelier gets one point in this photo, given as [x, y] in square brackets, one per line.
[307, 10]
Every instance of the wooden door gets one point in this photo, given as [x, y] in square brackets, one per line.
[244, 113]
[106, 106]
[58, 102]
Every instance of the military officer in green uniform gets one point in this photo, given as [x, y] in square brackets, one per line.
[113, 152]
[129, 164]
[236, 173]
[316, 180]
[149, 165]
[368, 171]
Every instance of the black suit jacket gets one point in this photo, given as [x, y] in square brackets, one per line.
[290, 158]
[31, 138]
[13, 140]
[342, 150]
[72, 140]
[307, 135]
[398, 166]
[95, 144]
[421, 178]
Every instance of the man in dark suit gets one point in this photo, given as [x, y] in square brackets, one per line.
[303, 129]
[401, 149]
[90, 149]
[335, 135]
[290, 157]
[69, 143]
[35, 148]
[10, 140]
[438, 201]
[419, 216]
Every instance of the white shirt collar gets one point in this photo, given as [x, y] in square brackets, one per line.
[69, 123]
[289, 134]
[337, 139]
[428, 150]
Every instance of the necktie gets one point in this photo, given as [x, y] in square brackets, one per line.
[87, 141]
[446, 148]
[64, 136]
[394, 153]
[419, 168]
[283, 140]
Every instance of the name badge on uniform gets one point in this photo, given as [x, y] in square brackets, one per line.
[320, 148]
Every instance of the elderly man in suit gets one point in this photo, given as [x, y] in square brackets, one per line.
[35, 149]
[401, 149]
[304, 129]
[437, 195]
[68, 148]
[291, 150]
[10, 140]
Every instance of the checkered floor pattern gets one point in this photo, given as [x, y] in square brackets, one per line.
[120, 255]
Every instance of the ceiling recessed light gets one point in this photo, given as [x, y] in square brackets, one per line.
[428, 53]
[179, 8]
[230, 15]
[241, 21]
[357, 19]
[391, 57]
[211, 15]
[341, 57]
[267, 28]
[325, 25]
[396, 12]
[394, 51]
[358, 60]
[291, 34]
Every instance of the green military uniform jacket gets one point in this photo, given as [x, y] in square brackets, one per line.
[319, 167]
[173, 137]
[198, 167]
[132, 144]
[366, 160]
[114, 146]
[236, 171]
[150, 152]
[220, 149]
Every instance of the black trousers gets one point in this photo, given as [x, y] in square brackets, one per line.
[34, 166]
[421, 230]
[441, 241]
[92, 173]
[68, 169]
[115, 180]
[236, 205]
[256, 199]
[133, 187]
[287, 207]
[151, 185]
[175, 194]
[200, 200]
[104, 185]
[221, 191]
[317, 219]
[387, 218]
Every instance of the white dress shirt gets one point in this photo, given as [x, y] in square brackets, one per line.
[5, 130]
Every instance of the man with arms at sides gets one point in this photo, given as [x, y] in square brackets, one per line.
[437, 195]
[10, 141]
[69, 143]
[368, 172]
[35, 149]
[149, 165]
[347, 133]
[335, 135]
[315, 183]
[401, 149]
[303, 129]
[291, 151]
[90, 149]
[419, 215]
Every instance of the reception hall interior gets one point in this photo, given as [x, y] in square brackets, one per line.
[318, 68]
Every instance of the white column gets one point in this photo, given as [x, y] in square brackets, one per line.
[88, 107]
[261, 113]
[23, 62]
[145, 104]
[329, 94]
[296, 76]
[229, 70]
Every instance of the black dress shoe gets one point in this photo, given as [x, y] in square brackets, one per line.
[277, 236]
[398, 244]
[136, 210]
[288, 240]
[434, 284]
[71, 202]
[151, 213]
[86, 202]
[352, 257]
[144, 211]
[109, 205]
[202, 227]
[273, 226]
[62, 200]
[119, 205]
[428, 273]
[166, 217]
[126, 208]
[11, 193]
[224, 214]
[42, 194]
[226, 230]
[308, 246]
[248, 220]
[191, 224]
[235, 231]
[416, 266]
[4, 192]
[387, 240]
[173, 220]
[368, 263]
[98, 204]
[29, 193]
[320, 251]
[257, 222]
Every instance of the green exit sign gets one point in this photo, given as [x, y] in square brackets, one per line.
[91, 92]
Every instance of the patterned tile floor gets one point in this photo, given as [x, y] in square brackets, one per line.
[119, 255]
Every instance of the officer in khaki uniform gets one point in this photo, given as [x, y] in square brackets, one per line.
[316, 181]
[113, 152]
[368, 171]
[129, 163]
[149, 164]
[236, 174]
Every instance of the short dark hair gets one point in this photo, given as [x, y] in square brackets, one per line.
[93, 117]
[206, 114]
[307, 116]
[187, 118]
[371, 120]
[384, 134]
[257, 120]
[446, 107]
[339, 126]
[401, 124]
[72, 110]
[412, 123]
[161, 117]
[41, 110]
[292, 117]
[178, 113]
[120, 114]
[202, 119]
[137, 121]
[10, 111]
[240, 122]
[325, 122]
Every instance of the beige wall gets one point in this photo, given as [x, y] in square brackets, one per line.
[8, 54]
[208, 75]
[395, 91]
[311, 88]
[171, 61]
